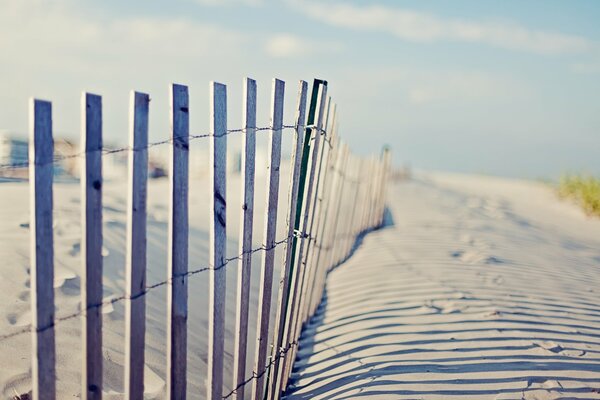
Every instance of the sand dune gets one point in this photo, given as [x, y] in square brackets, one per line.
[483, 288]
[15, 353]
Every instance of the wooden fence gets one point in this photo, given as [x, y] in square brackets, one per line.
[334, 196]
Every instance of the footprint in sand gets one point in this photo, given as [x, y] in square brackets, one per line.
[19, 318]
[75, 249]
[556, 348]
[475, 257]
[24, 296]
[17, 386]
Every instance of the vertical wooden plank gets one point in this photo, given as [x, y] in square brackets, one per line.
[216, 310]
[329, 197]
[386, 165]
[91, 245]
[41, 148]
[245, 241]
[135, 267]
[178, 245]
[282, 301]
[318, 210]
[266, 275]
[293, 309]
[334, 238]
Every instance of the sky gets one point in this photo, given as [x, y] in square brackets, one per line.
[506, 87]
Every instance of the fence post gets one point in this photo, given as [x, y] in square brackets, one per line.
[178, 245]
[218, 237]
[41, 148]
[321, 207]
[336, 227]
[135, 306]
[315, 210]
[328, 196]
[91, 245]
[307, 195]
[266, 273]
[245, 239]
[279, 347]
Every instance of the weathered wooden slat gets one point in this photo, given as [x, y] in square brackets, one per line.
[178, 245]
[91, 245]
[386, 165]
[41, 148]
[304, 230]
[135, 262]
[325, 201]
[335, 237]
[317, 210]
[266, 275]
[332, 196]
[296, 160]
[218, 237]
[325, 243]
[245, 239]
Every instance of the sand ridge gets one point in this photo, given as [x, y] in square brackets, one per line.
[483, 288]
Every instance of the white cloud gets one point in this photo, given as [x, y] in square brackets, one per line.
[290, 46]
[426, 28]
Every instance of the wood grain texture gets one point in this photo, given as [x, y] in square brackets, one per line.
[218, 238]
[306, 227]
[91, 245]
[245, 242]
[293, 308]
[268, 261]
[316, 210]
[274, 388]
[41, 148]
[135, 262]
[177, 291]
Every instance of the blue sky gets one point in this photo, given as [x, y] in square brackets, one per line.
[507, 87]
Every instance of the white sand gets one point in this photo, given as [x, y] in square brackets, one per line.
[485, 288]
[15, 313]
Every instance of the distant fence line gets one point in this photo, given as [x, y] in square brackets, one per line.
[334, 196]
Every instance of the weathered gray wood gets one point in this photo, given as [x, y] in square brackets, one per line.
[178, 245]
[385, 165]
[296, 160]
[216, 311]
[317, 207]
[245, 240]
[266, 276]
[324, 242]
[91, 245]
[324, 199]
[334, 237]
[135, 262]
[293, 314]
[41, 148]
